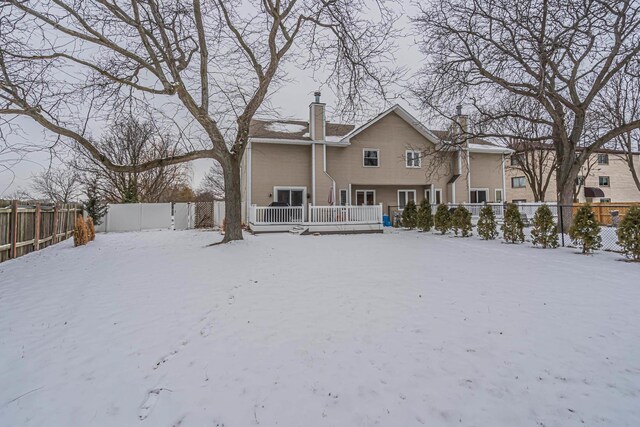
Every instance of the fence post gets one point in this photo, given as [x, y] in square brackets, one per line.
[36, 231]
[54, 238]
[14, 229]
[561, 216]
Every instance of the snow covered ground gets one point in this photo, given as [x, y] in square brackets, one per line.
[398, 329]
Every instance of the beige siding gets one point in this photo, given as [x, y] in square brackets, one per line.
[278, 165]
[486, 173]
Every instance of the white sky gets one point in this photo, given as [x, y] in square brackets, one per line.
[292, 100]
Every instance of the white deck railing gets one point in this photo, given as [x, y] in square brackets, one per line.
[276, 214]
[266, 215]
[345, 214]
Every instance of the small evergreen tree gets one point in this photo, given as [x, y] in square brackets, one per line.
[629, 233]
[80, 232]
[461, 221]
[409, 215]
[424, 220]
[512, 229]
[544, 231]
[487, 224]
[585, 230]
[442, 219]
[94, 207]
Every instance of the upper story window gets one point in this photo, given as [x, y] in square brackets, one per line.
[371, 157]
[412, 159]
[516, 160]
[518, 182]
[603, 181]
[580, 180]
[603, 159]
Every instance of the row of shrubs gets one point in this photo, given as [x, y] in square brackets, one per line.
[84, 231]
[584, 231]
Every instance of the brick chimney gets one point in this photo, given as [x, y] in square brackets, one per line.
[316, 119]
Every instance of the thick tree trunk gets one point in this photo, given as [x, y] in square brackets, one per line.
[232, 200]
[566, 188]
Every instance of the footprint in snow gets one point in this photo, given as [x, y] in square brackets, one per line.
[171, 355]
[149, 403]
[231, 299]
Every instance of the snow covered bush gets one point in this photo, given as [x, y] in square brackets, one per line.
[424, 219]
[409, 214]
[629, 234]
[80, 232]
[585, 230]
[544, 231]
[442, 219]
[512, 229]
[487, 224]
[461, 221]
[91, 230]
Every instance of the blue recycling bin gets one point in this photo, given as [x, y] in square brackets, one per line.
[386, 221]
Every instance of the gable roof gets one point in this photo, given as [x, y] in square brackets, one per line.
[294, 130]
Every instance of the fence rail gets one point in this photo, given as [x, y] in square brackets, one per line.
[346, 214]
[28, 227]
[276, 214]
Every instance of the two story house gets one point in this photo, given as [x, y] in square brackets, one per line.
[387, 161]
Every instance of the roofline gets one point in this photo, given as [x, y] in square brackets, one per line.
[296, 142]
[404, 114]
[491, 149]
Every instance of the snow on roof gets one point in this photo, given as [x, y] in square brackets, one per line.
[282, 127]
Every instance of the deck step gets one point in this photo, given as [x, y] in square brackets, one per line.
[298, 229]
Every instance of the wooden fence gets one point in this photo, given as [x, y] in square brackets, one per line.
[27, 227]
[603, 210]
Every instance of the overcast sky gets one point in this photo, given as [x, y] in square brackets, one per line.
[292, 100]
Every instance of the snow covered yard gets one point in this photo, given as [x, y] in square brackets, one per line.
[398, 329]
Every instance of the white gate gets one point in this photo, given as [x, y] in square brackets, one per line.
[184, 216]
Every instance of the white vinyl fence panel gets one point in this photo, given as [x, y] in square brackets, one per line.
[136, 217]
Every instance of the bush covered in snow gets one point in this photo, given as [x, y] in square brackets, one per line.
[487, 224]
[585, 230]
[629, 234]
[424, 219]
[461, 221]
[544, 231]
[442, 219]
[512, 229]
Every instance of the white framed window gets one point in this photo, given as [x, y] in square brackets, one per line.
[413, 159]
[499, 195]
[580, 180]
[605, 200]
[518, 182]
[371, 157]
[519, 201]
[603, 159]
[437, 196]
[365, 197]
[293, 196]
[603, 181]
[478, 195]
[404, 196]
[427, 195]
[343, 200]
[516, 160]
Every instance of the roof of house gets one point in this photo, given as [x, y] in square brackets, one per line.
[298, 131]
[295, 130]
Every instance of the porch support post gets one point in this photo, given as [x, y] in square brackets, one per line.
[504, 185]
[432, 196]
[313, 174]
[349, 196]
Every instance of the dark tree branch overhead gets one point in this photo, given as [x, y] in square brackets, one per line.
[556, 55]
[183, 59]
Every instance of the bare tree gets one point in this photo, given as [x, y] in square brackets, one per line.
[208, 66]
[134, 141]
[61, 185]
[620, 103]
[556, 54]
[537, 163]
[213, 183]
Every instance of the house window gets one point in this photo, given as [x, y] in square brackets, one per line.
[427, 195]
[413, 159]
[438, 196]
[404, 196]
[370, 158]
[580, 180]
[606, 200]
[499, 197]
[365, 197]
[519, 201]
[603, 181]
[478, 196]
[518, 182]
[516, 160]
[293, 196]
[343, 197]
[603, 159]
